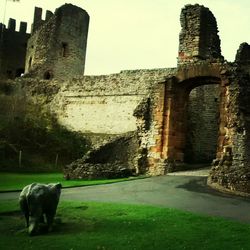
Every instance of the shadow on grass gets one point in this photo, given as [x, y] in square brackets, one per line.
[15, 213]
[75, 222]
[14, 222]
[123, 227]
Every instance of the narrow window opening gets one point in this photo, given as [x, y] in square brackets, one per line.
[30, 62]
[65, 49]
[47, 75]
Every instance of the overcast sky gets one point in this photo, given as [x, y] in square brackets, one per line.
[137, 34]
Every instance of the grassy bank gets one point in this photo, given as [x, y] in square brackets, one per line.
[16, 181]
[81, 225]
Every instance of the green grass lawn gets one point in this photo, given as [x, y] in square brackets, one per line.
[16, 181]
[87, 225]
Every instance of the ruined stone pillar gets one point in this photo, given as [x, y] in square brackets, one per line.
[154, 138]
[198, 38]
[173, 141]
[167, 136]
[231, 169]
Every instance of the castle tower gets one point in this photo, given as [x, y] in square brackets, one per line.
[57, 46]
[12, 49]
[198, 38]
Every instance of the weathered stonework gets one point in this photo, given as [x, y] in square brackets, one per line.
[169, 125]
[110, 99]
[57, 46]
[169, 115]
[202, 124]
[243, 54]
[100, 163]
[12, 49]
[231, 170]
[198, 38]
[242, 57]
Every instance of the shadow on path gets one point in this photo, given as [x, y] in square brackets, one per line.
[199, 185]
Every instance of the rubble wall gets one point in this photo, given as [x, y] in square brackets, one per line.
[231, 169]
[198, 38]
[105, 104]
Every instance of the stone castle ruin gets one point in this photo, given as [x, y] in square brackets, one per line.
[57, 46]
[13, 49]
[141, 121]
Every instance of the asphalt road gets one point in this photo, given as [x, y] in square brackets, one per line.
[189, 193]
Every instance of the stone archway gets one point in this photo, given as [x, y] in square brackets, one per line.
[175, 109]
[199, 63]
[166, 138]
[169, 110]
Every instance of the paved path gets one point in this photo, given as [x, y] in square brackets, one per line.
[185, 192]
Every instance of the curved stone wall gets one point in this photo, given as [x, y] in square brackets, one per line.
[57, 48]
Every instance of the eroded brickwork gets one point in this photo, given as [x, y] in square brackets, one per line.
[57, 46]
[99, 163]
[242, 58]
[231, 170]
[199, 38]
[243, 54]
[169, 114]
[110, 99]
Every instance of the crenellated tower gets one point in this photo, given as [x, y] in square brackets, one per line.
[13, 49]
[57, 46]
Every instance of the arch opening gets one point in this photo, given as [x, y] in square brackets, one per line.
[184, 143]
[202, 124]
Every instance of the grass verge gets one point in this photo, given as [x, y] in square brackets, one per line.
[16, 181]
[81, 225]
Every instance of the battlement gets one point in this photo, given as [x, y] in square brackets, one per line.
[37, 20]
[12, 27]
[68, 26]
[13, 48]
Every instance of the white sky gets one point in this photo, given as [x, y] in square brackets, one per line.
[137, 34]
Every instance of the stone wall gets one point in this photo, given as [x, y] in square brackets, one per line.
[230, 171]
[105, 104]
[116, 158]
[242, 57]
[202, 124]
[12, 49]
[243, 54]
[57, 47]
[199, 38]
[165, 139]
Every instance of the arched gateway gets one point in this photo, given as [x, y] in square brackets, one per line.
[200, 63]
[149, 109]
